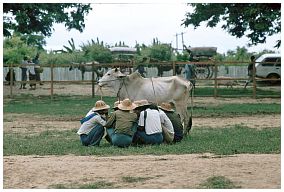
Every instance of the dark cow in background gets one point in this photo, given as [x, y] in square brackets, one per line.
[150, 62]
[8, 76]
[88, 67]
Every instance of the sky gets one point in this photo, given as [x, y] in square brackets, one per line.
[140, 22]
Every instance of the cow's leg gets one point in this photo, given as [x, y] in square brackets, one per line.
[181, 109]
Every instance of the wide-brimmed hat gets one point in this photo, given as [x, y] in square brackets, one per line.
[141, 103]
[100, 105]
[115, 104]
[126, 105]
[166, 107]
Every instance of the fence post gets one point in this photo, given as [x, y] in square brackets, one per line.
[174, 68]
[215, 79]
[93, 77]
[253, 80]
[51, 79]
[11, 80]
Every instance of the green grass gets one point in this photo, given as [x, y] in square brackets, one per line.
[228, 140]
[237, 109]
[234, 92]
[71, 107]
[130, 179]
[218, 182]
[61, 106]
[96, 185]
[224, 141]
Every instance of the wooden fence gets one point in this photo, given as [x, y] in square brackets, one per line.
[131, 65]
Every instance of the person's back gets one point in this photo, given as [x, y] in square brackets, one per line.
[123, 121]
[149, 130]
[91, 130]
[167, 126]
[178, 127]
[153, 121]
[122, 124]
[175, 119]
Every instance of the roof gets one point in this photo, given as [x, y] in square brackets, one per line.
[259, 59]
[123, 49]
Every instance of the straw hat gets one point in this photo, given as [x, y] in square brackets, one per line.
[126, 105]
[141, 103]
[115, 104]
[166, 107]
[100, 105]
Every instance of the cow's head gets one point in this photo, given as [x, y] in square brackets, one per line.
[73, 65]
[110, 77]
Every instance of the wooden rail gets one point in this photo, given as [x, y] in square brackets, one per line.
[119, 64]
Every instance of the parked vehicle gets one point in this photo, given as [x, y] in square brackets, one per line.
[268, 66]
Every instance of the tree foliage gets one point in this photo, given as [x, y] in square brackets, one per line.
[254, 20]
[97, 51]
[16, 48]
[29, 18]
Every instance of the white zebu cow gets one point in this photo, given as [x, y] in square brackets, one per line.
[156, 90]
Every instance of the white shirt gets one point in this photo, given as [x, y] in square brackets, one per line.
[153, 121]
[31, 68]
[166, 122]
[23, 63]
[87, 126]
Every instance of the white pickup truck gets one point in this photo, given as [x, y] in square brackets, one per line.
[268, 66]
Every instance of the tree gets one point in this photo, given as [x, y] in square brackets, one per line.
[28, 18]
[15, 48]
[34, 40]
[254, 20]
[97, 51]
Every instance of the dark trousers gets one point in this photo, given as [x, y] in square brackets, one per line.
[94, 137]
[24, 76]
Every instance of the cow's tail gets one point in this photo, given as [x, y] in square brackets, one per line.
[190, 90]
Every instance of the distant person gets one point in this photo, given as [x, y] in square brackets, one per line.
[189, 73]
[24, 69]
[250, 71]
[38, 70]
[122, 124]
[32, 75]
[189, 68]
[168, 108]
[92, 125]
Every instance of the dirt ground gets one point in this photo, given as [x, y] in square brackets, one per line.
[259, 171]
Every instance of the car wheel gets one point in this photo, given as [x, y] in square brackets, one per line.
[274, 78]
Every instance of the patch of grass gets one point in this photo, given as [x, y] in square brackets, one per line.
[129, 179]
[222, 141]
[235, 92]
[237, 109]
[61, 105]
[218, 182]
[74, 107]
[96, 185]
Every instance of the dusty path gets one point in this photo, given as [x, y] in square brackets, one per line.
[23, 123]
[169, 171]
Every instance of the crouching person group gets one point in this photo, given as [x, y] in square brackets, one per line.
[131, 123]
